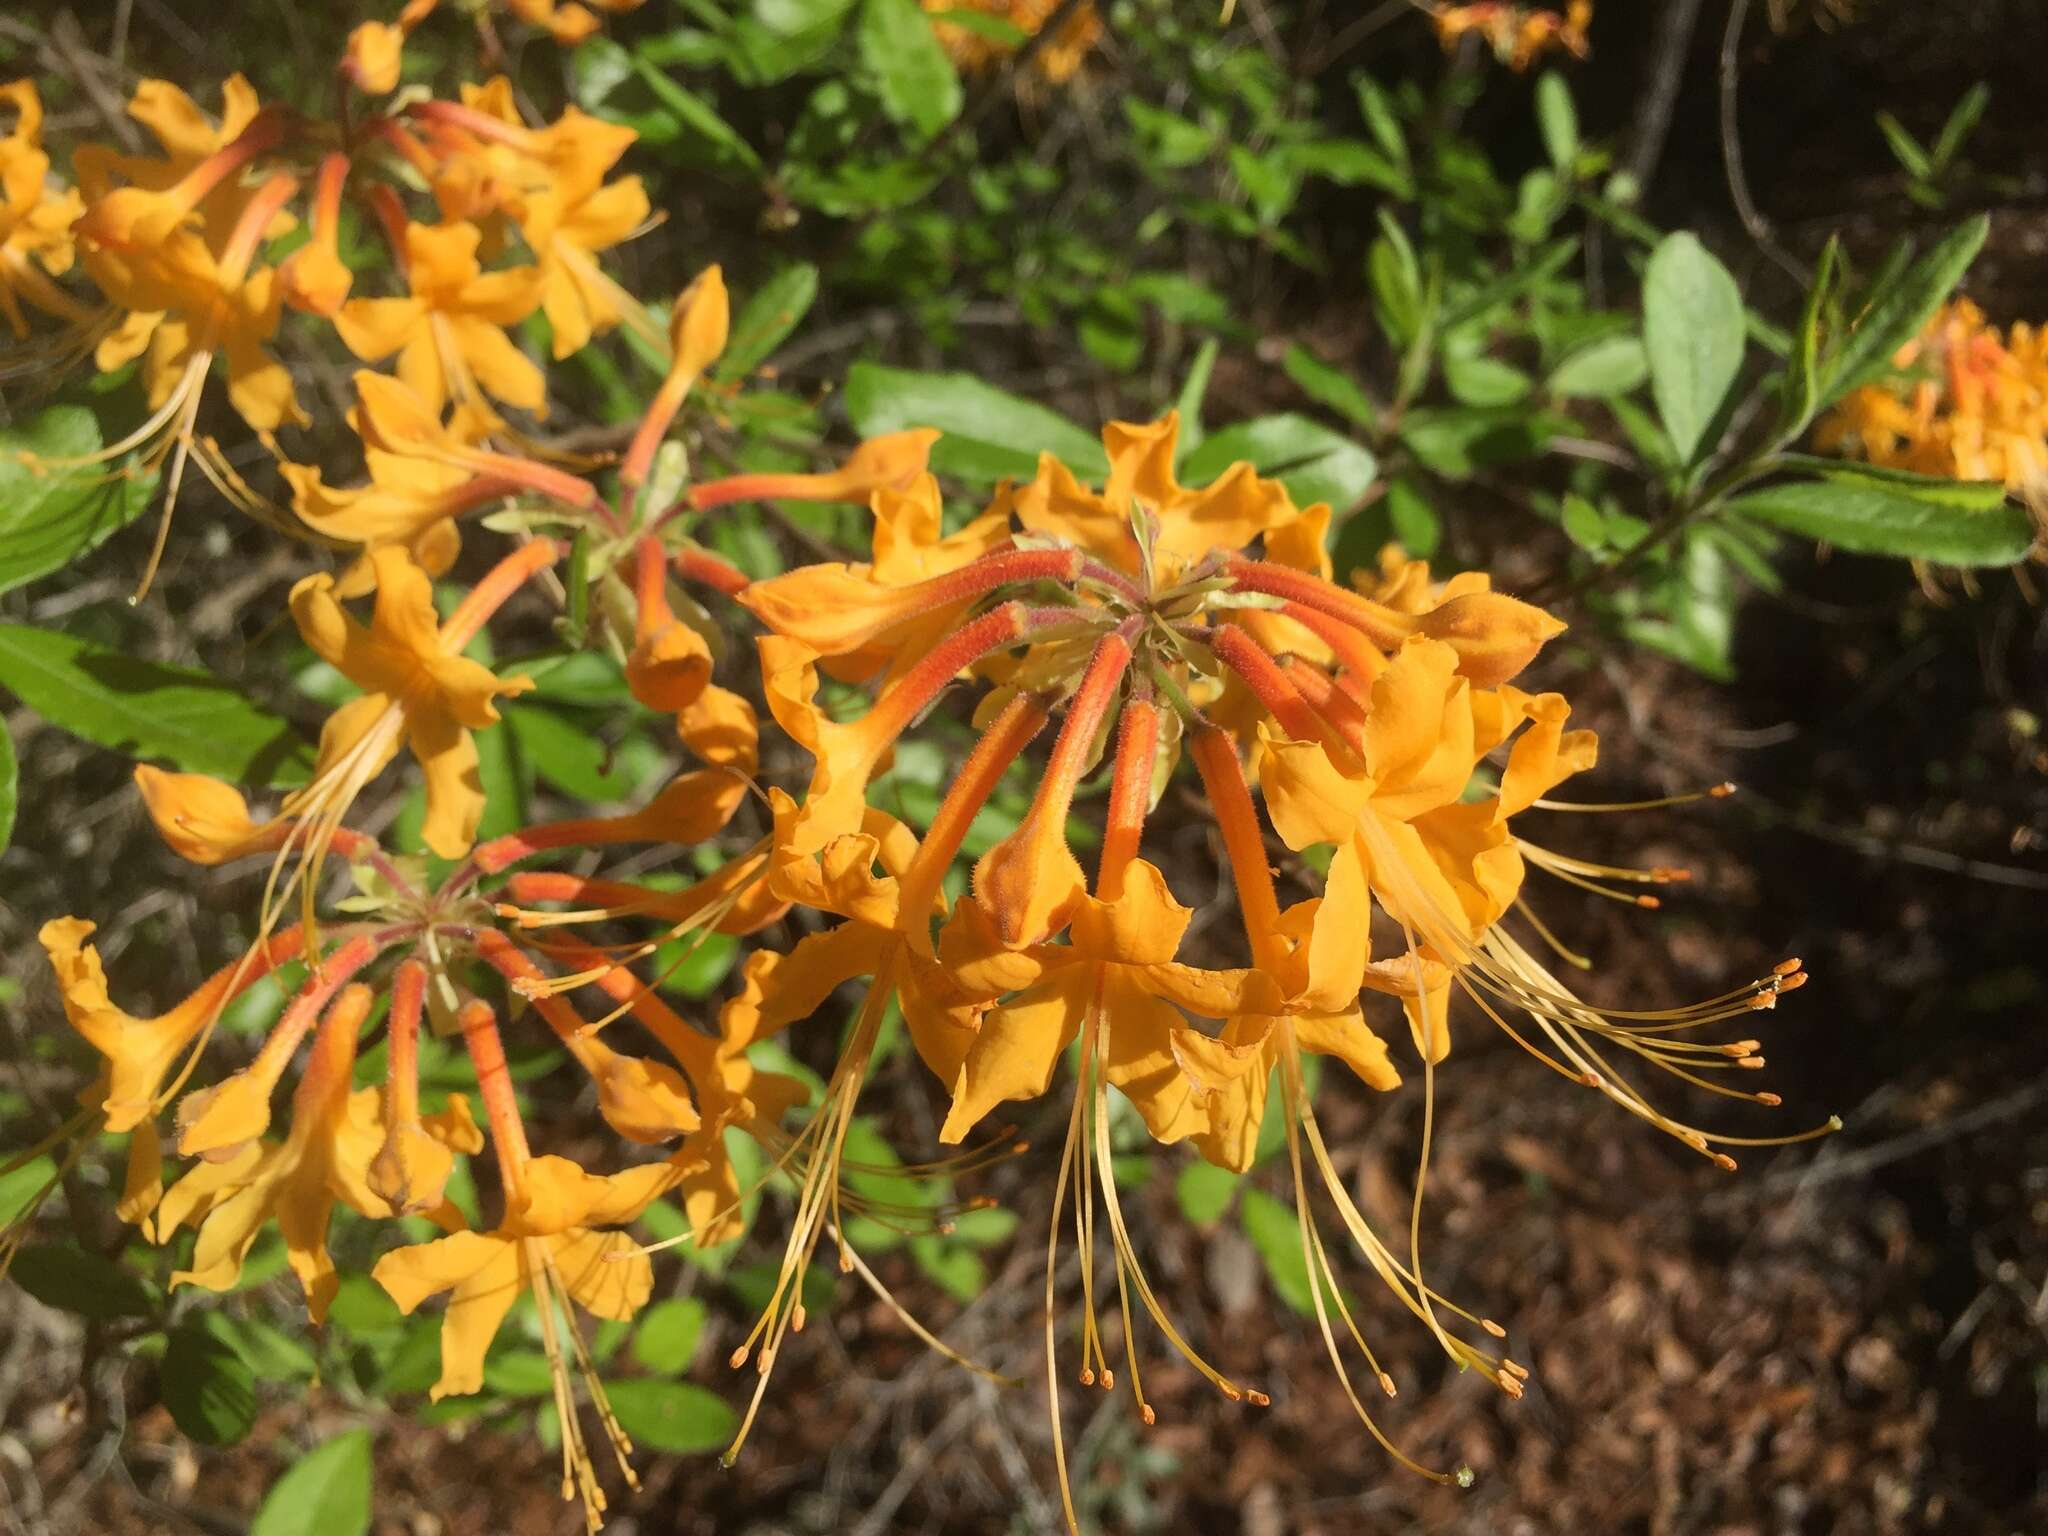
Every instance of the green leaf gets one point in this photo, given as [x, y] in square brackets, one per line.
[1584, 524]
[1454, 442]
[916, 80]
[989, 434]
[768, 318]
[1483, 381]
[575, 760]
[326, 1492]
[1276, 1234]
[1693, 333]
[50, 517]
[1167, 139]
[1558, 120]
[23, 1184]
[207, 1385]
[1194, 389]
[10, 788]
[692, 112]
[672, 1415]
[1900, 307]
[1613, 365]
[1203, 1192]
[190, 719]
[72, 1280]
[1905, 148]
[1328, 386]
[954, 1267]
[1962, 122]
[1414, 521]
[1970, 495]
[1314, 463]
[667, 1334]
[1799, 391]
[1873, 519]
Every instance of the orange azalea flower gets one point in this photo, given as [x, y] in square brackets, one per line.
[418, 688]
[1518, 35]
[324, 1159]
[35, 218]
[449, 333]
[1978, 409]
[550, 1241]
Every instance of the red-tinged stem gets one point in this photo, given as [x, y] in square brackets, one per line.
[1379, 624]
[454, 114]
[1013, 730]
[402, 1053]
[1354, 652]
[410, 149]
[327, 977]
[914, 692]
[709, 570]
[1283, 701]
[491, 593]
[1337, 708]
[767, 487]
[328, 183]
[650, 588]
[328, 1064]
[1130, 789]
[247, 234]
[494, 1087]
[391, 216]
[1244, 842]
[499, 953]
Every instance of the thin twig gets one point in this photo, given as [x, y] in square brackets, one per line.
[1752, 217]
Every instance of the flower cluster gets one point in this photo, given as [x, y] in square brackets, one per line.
[1971, 404]
[488, 222]
[1518, 35]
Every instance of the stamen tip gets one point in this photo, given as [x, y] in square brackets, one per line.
[1649, 903]
[1722, 790]
[1387, 1385]
[1723, 1161]
[1788, 967]
[1769, 1100]
[735, 1360]
[1148, 1415]
[1087, 1376]
[1493, 1328]
[1834, 1122]
[1465, 1477]
[1108, 1379]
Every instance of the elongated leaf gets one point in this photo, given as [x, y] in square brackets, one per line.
[48, 518]
[1693, 332]
[768, 318]
[692, 112]
[326, 1492]
[672, 1415]
[1900, 306]
[989, 434]
[188, 718]
[1970, 495]
[1873, 519]
[1328, 386]
[1314, 463]
[1558, 119]
[917, 82]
